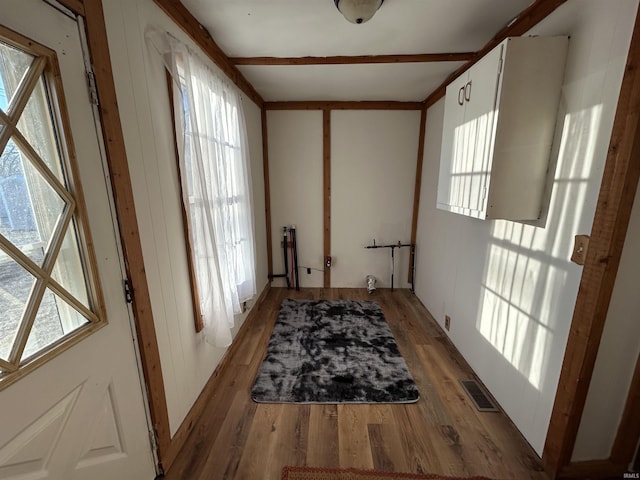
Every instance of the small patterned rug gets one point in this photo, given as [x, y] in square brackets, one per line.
[340, 351]
[310, 473]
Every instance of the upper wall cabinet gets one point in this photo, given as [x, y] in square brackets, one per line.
[499, 121]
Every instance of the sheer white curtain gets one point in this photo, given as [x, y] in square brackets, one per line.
[216, 185]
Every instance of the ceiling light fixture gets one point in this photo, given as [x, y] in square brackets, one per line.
[358, 11]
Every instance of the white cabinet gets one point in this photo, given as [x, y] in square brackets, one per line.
[498, 128]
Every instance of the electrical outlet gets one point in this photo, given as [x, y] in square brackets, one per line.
[308, 271]
[447, 322]
[580, 247]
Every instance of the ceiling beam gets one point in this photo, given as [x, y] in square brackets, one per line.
[356, 60]
[185, 20]
[527, 19]
[340, 105]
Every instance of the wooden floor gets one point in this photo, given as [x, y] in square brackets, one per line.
[441, 433]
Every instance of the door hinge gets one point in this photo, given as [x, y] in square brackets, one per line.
[153, 438]
[91, 85]
[500, 66]
[128, 291]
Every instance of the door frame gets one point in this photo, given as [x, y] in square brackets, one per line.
[611, 220]
[96, 34]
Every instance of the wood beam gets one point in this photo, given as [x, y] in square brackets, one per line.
[116, 157]
[340, 105]
[326, 181]
[613, 209]
[356, 60]
[527, 19]
[416, 192]
[185, 20]
[76, 6]
[267, 192]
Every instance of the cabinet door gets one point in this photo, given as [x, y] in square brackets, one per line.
[481, 93]
[455, 146]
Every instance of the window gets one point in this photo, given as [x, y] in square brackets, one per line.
[213, 163]
[48, 296]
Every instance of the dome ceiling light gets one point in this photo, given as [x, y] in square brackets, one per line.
[358, 11]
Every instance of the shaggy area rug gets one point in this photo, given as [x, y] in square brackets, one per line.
[310, 473]
[340, 351]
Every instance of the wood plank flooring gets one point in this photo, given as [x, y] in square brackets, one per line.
[441, 433]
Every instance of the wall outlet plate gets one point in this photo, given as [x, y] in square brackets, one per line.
[580, 247]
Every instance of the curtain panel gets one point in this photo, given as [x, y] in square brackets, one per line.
[216, 185]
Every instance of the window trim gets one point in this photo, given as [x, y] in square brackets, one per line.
[195, 293]
[236, 199]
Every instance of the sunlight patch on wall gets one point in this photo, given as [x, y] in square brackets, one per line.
[527, 266]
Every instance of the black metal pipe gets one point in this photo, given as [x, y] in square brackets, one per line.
[294, 240]
[393, 266]
[393, 247]
[285, 247]
[413, 268]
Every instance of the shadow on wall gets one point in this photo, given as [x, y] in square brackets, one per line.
[527, 267]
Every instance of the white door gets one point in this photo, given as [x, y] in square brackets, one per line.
[80, 415]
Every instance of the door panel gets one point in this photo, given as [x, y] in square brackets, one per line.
[81, 415]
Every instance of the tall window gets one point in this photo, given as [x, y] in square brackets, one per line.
[47, 293]
[216, 192]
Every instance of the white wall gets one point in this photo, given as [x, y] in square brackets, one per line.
[510, 288]
[373, 165]
[295, 183]
[617, 356]
[187, 361]
[373, 158]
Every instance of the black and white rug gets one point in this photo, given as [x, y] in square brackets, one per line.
[341, 351]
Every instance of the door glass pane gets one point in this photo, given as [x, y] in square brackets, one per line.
[46, 205]
[55, 319]
[36, 126]
[17, 222]
[29, 208]
[14, 64]
[68, 270]
[15, 286]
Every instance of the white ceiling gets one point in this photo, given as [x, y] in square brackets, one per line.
[299, 28]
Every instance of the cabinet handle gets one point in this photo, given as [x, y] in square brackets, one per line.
[461, 95]
[467, 91]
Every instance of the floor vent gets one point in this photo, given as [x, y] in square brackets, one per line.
[480, 399]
